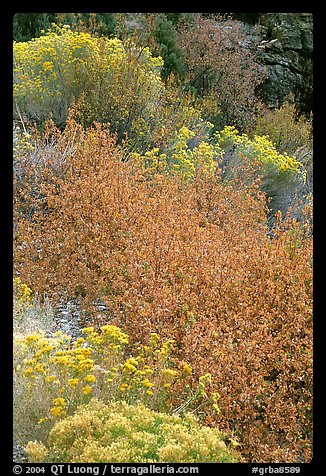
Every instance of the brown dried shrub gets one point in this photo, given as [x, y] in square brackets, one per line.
[221, 68]
[193, 261]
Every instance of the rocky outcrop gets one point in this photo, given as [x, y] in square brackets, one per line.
[283, 42]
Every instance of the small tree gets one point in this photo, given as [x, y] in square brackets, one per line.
[220, 67]
[29, 25]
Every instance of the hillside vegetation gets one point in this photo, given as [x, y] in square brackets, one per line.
[150, 178]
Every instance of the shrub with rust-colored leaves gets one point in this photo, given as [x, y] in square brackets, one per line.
[192, 260]
[220, 67]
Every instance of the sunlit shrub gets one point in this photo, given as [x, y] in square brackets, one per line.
[113, 81]
[118, 432]
[280, 173]
[49, 71]
[181, 159]
[54, 375]
[288, 131]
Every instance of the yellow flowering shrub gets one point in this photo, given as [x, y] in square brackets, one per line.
[54, 375]
[119, 432]
[180, 159]
[260, 147]
[21, 291]
[49, 71]
[280, 175]
[113, 81]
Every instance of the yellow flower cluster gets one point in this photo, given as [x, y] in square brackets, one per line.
[110, 335]
[268, 153]
[186, 161]
[140, 380]
[181, 159]
[260, 148]
[21, 290]
[58, 409]
[70, 373]
[186, 368]
[61, 64]
[119, 432]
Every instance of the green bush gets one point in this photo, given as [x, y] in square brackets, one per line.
[118, 432]
[166, 38]
[29, 25]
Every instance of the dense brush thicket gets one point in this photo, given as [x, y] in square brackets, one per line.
[134, 198]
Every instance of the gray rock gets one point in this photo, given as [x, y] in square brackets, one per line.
[286, 48]
[18, 453]
[283, 42]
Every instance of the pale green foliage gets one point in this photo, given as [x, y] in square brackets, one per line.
[118, 432]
